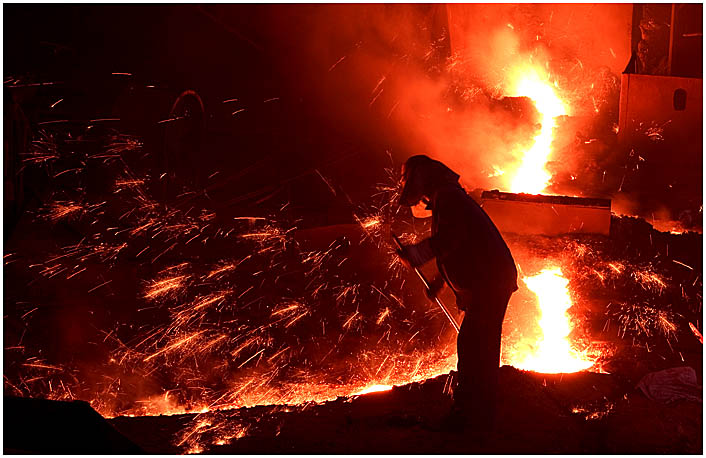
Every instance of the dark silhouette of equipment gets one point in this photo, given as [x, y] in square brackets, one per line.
[39, 426]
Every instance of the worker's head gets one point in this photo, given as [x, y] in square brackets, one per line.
[422, 176]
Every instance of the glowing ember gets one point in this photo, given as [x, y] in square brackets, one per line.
[553, 352]
[161, 287]
[374, 389]
[532, 176]
[60, 210]
[370, 222]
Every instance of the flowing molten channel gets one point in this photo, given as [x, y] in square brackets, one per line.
[552, 353]
[374, 389]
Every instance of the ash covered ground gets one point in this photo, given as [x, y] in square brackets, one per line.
[567, 414]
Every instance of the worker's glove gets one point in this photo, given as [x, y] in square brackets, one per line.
[418, 254]
[435, 286]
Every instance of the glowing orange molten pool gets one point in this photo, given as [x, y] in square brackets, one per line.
[553, 352]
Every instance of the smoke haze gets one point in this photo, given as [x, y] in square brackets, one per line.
[430, 79]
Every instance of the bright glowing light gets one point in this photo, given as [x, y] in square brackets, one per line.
[374, 389]
[532, 176]
[552, 353]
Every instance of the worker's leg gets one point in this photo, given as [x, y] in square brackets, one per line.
[481, 414]
[478, 347]
[467, 359]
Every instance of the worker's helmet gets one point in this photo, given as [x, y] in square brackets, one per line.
[421, 176]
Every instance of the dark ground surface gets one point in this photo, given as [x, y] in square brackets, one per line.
[552, 414]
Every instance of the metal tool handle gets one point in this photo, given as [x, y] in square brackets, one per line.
[428, 287]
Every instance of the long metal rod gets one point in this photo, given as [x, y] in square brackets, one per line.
[672, 25]
[426, 285]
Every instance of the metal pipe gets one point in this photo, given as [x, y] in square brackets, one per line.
[672, 25]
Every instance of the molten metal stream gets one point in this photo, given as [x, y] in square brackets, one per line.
[532, 176]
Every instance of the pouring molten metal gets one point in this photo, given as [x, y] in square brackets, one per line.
[553, 353]
[532, 176]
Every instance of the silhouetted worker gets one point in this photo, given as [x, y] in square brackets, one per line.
[475, 262]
